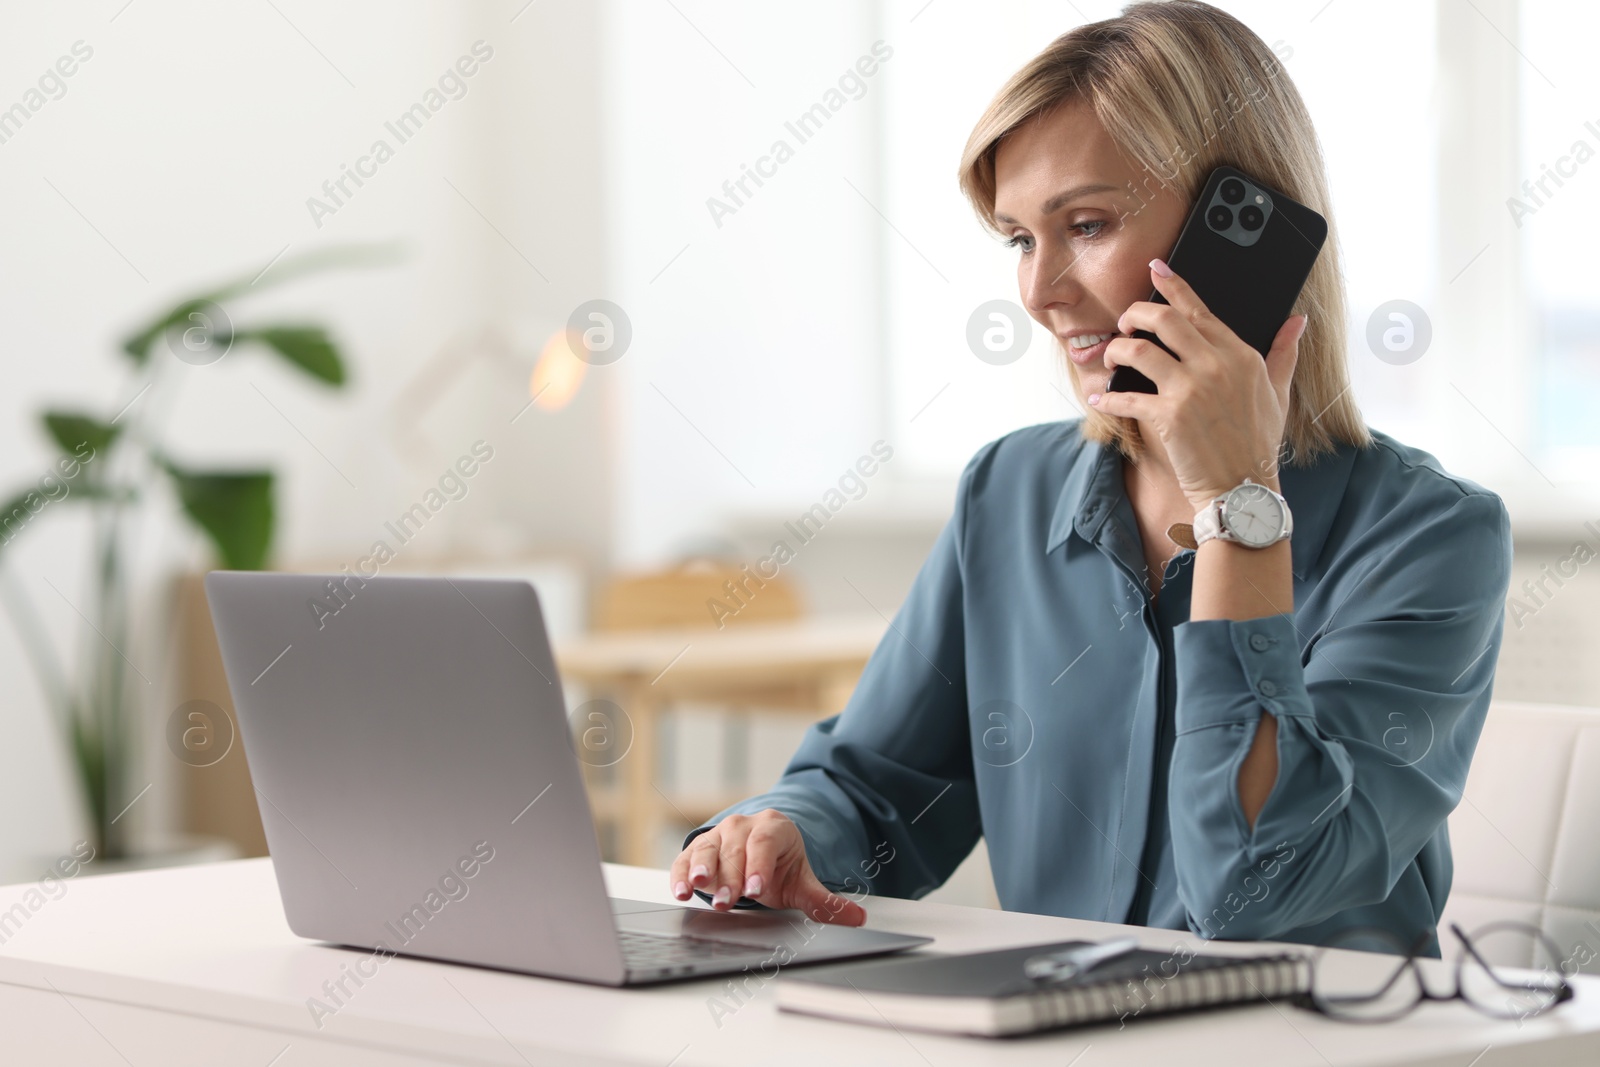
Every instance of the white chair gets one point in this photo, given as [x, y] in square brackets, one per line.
[1526, 836]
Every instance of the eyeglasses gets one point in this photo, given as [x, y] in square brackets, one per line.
[1532, 985]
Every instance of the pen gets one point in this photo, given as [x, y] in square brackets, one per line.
[1069, 963]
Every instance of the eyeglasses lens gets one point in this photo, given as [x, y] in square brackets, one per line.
[1376, 984]
[1515, 973]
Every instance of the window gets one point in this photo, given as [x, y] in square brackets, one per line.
[940, 263]
[1553, 211]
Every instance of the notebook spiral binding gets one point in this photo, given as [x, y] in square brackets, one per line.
[1267, 978]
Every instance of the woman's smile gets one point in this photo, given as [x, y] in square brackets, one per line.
[1094, 353]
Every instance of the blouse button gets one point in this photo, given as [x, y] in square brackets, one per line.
[1267, 688]
[1260, 642]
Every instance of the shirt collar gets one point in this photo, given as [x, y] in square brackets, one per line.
[1089, 494]
[1094, 486]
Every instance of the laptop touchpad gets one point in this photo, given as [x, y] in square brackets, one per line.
[745, 927]
[623, 906]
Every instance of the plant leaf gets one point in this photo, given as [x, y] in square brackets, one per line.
[138, 344]
[319, 259]
[73, 430]
[234, 508]
[15, 515]
[307, 347]
[90, 757]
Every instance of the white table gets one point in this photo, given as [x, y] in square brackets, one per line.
[197, 966]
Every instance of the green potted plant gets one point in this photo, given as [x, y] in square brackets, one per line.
[109, 465]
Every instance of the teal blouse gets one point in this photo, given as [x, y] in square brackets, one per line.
[1030, 692]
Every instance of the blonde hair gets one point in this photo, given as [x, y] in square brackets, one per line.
[1175, 85]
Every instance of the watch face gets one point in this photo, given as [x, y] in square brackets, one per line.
[1253, 514]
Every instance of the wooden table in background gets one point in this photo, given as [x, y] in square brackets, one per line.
[809, 665]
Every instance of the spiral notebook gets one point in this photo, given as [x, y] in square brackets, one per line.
[987, 993]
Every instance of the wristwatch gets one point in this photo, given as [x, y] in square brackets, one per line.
[1249, 514]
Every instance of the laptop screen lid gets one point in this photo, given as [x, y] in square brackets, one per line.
[408, 742]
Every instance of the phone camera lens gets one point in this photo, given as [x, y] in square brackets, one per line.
[1233, 190]
[1220, 218]
[1250, 217]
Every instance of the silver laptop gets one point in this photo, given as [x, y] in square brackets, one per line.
[421, 794]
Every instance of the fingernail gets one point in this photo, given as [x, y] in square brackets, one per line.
[1305, 320]
[698, 873]
[723, 896]
[752, 886]
[681, 890]
[1161, 268]
[1094, 399]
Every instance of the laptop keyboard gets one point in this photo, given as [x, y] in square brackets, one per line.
[651, 951]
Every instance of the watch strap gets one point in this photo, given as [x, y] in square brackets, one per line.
[1208, 523]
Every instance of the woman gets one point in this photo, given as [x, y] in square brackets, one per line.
[1259, 737]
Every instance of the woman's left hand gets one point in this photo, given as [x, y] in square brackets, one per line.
[1221, 408]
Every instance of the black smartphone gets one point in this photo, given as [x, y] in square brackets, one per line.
[1246, 252]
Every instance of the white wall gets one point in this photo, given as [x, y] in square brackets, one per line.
[187, 146]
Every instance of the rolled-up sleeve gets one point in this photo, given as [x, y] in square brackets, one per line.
[1378, 713]
[883, 792]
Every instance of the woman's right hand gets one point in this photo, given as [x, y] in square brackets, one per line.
[763, 857]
